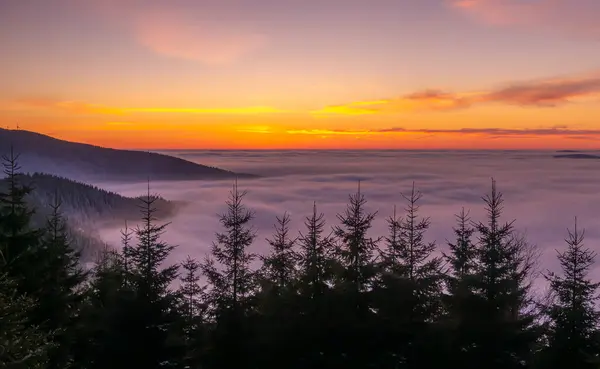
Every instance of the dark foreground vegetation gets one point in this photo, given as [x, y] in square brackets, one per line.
[87, 208]
[325, 298]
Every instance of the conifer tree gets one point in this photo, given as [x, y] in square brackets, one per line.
[109, 316]
[154, 300]
[191, 292]
[502, 332]
[277, 298]
[193, 310]
[389, 292]
[356, 255]
[393, 245]
[315, 338]
[462, 257]
[279, 267]
[412, 294]
[315, 257]
[460, 278]
[19, 242]
[126, 247]
[356, 251]
[573, 337]
[22, 345]
[415, 254]
[423, 270]
[60, 296]
[232, 283]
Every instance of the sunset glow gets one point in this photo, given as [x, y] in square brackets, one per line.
[234, 74]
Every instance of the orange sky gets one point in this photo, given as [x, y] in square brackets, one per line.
[237, 74]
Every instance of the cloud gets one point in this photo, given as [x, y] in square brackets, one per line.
[497, 132]
[541, 93]
[176, 33]
[535, 132]
[577, 18]
[73, 107]
[425, 100]
[545, 93]
[256, 129]
[542, 193]
[354, 108]
[328, 132]
[79, 107]
[227, 111]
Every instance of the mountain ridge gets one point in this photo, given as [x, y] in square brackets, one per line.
[86, 162]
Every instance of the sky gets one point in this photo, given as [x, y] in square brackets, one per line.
[300, 74]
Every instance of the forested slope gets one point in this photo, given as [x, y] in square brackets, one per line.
[85, 207]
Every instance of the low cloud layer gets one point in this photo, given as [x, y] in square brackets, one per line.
[542, 193]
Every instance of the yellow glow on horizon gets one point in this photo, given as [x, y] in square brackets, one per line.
[327, 132]
[235, 111]
[256, 129]
[428, 119]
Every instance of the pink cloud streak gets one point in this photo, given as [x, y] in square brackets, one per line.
[576, 17]
[175, 34]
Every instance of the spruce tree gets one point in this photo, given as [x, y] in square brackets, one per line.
[313, 326]
[193, 309]
[460, 279]
[356, 255]
[61, 295]
[232, 282]
[19, 241]
[412, 287]
[22, 345]
[126, 247]
[277, 298]
[315, 262]
[154, 300]
[462, 257]
[131, 311]
[279, 267]
[393, 245]
[415, 254]
[501, 331]
[191, 292]
[356, 251]
[110, 318]
[389, 292]
[573, 337]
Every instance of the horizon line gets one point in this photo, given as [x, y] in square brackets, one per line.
[362, 149]
[274, 149]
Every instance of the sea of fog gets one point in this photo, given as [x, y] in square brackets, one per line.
[542, 193]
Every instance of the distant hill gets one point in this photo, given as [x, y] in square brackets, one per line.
[578, 156]
[41, 153]
[87, 208]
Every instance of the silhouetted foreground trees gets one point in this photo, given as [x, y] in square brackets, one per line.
[329, 297]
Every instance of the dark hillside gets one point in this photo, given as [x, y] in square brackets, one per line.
[86, 207]
[41, 153]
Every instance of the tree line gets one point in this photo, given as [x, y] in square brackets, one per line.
[327, 297]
